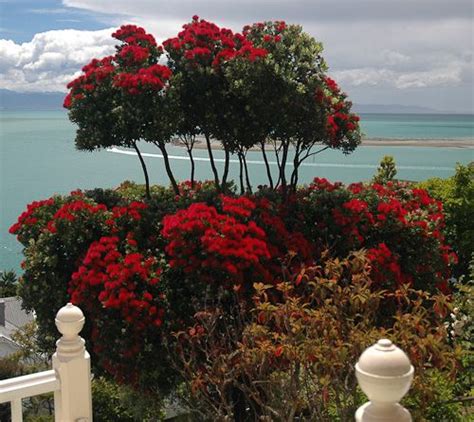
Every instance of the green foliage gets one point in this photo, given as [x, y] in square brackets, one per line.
[8, 283]
[112, 402]
[135, 192]
[386, 171]
[457, 195]
[442, 405]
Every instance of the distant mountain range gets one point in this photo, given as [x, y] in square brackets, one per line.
[16, 101]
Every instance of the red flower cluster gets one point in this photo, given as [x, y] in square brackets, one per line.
[30, 217]
[95, 73]
[324, 185]
[283, 242]
[386, 219]
[385, 266]
[70, 211]
[119, 281]
[133, 68]
[46, 216]
[110, 285]
[237, 207]
[133, 54]
[201, 240]
[134, 35]
[151, 78]
[204, 43]
[340, 122]
[271, 30]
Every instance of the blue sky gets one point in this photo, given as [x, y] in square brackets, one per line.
[22, 19]
[410, 52]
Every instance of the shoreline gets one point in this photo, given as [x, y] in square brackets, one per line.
[385, 142]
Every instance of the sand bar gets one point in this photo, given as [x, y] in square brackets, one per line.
[385, 142]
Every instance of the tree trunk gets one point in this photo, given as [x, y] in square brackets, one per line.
[296, 165]
[283, 166]
[247, 176]
[169, 172]
[226, 168]
[193, 166]
[211, 158]
[267, 164]
[241, 173]
[145, 171]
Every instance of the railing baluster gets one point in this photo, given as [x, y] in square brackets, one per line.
[17, 410]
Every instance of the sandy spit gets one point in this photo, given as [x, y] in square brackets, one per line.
[385, 142]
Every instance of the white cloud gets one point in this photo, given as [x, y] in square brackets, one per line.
[386, 77]
[395, 57]
[363, 76]
[399, 48]
[49, 11]
[51, 59]
[435, 77]
[295, 10]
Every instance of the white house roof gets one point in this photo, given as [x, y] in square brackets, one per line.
[15, 316]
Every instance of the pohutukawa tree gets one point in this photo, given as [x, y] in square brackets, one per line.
[120, 99]
[295, 107]
[197, 56]
[265, 87]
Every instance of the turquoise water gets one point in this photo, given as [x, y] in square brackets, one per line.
[38, 159]
[418, 126]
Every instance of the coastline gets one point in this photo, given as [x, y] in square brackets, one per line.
[465, 143]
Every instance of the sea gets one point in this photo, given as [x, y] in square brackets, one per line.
[38, 159]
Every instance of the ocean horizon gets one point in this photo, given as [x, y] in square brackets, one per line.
[38, 159]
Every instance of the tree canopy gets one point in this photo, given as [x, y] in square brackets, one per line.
[263, 88]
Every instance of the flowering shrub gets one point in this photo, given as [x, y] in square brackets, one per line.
[120, 290]
[55, 233]
[400, 226]
[142, 269]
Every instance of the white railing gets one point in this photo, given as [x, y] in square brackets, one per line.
[70, 378]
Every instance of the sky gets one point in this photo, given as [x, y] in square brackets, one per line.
[408, 52]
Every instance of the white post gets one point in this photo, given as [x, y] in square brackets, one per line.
[72, 364]
[384, 374]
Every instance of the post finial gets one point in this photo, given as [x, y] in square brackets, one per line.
[384, 373]
[69, 321]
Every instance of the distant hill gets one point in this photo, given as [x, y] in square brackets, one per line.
[10, 100]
